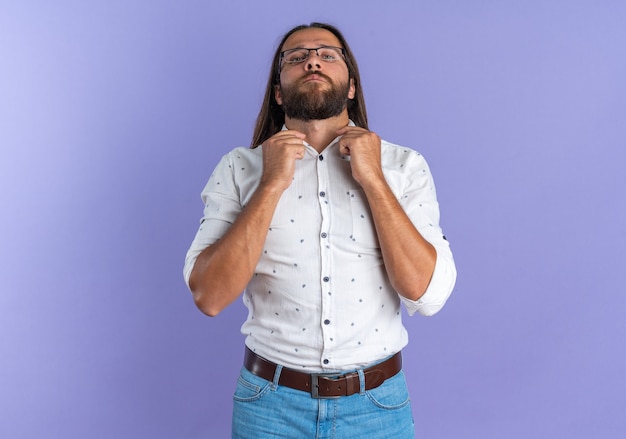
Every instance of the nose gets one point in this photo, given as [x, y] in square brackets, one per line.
[313, 60]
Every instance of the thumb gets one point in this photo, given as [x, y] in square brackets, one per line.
[344, 148]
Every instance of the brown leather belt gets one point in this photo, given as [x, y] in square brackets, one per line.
[324, 385]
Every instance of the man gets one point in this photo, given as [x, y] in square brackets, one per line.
[328, 230]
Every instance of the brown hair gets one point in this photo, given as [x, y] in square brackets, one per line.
[271, 117]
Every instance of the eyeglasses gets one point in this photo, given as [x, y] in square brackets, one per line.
[301, 54]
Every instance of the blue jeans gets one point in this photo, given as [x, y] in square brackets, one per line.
[263, 409]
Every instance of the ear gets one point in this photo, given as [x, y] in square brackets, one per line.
[277, 95]
[352, 89]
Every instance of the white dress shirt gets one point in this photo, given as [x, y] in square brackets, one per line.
[320, 299]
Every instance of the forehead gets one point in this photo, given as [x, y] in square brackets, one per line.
[311, 37]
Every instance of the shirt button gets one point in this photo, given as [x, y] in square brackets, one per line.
[327, 322]
[322, 194]
[324, 235]
[326, 361]
[321, 157]
[326, 278]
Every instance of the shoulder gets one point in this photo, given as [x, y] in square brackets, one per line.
[242, 152]
[242, 164]
[394, 155]
[240, 156]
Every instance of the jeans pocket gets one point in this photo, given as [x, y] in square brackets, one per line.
[250, 387]
[392, 394]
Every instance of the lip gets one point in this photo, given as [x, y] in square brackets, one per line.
[314, 78]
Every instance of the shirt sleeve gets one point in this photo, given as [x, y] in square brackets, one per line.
[221, 206]
[419, 201]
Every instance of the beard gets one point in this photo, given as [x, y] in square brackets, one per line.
[307, 102]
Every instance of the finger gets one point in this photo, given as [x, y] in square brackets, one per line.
[286, 136]
[294, 148]
[344, 130]
[295, 133]
[351, 131]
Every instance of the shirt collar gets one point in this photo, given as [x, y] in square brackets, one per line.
[350, 124]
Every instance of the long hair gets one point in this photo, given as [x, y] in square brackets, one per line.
[272, 117]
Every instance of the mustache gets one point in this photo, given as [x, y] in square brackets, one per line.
[320, 74]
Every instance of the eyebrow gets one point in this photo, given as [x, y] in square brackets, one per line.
[310, 48]
[315, 44]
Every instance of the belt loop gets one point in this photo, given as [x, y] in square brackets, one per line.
[279, 369]
[361, 381]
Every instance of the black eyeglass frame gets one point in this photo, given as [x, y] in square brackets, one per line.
[308, 49]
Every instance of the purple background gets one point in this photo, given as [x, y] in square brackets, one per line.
[114, 113]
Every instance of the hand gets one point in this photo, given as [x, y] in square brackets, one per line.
[363, 147]
[280, 153]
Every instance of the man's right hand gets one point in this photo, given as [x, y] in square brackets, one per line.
[280, 153]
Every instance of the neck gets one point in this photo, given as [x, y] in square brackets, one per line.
[319, 133]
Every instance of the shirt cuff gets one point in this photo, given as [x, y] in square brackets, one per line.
[439, 288]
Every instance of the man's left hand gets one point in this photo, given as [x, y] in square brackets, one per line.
[363, 147]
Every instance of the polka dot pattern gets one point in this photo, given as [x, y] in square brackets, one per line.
[320, 298]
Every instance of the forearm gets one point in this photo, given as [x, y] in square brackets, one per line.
[409, 259]
[222, 271]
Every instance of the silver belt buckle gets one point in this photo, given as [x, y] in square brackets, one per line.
[315, 386]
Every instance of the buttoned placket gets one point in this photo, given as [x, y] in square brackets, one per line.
[326, 281]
